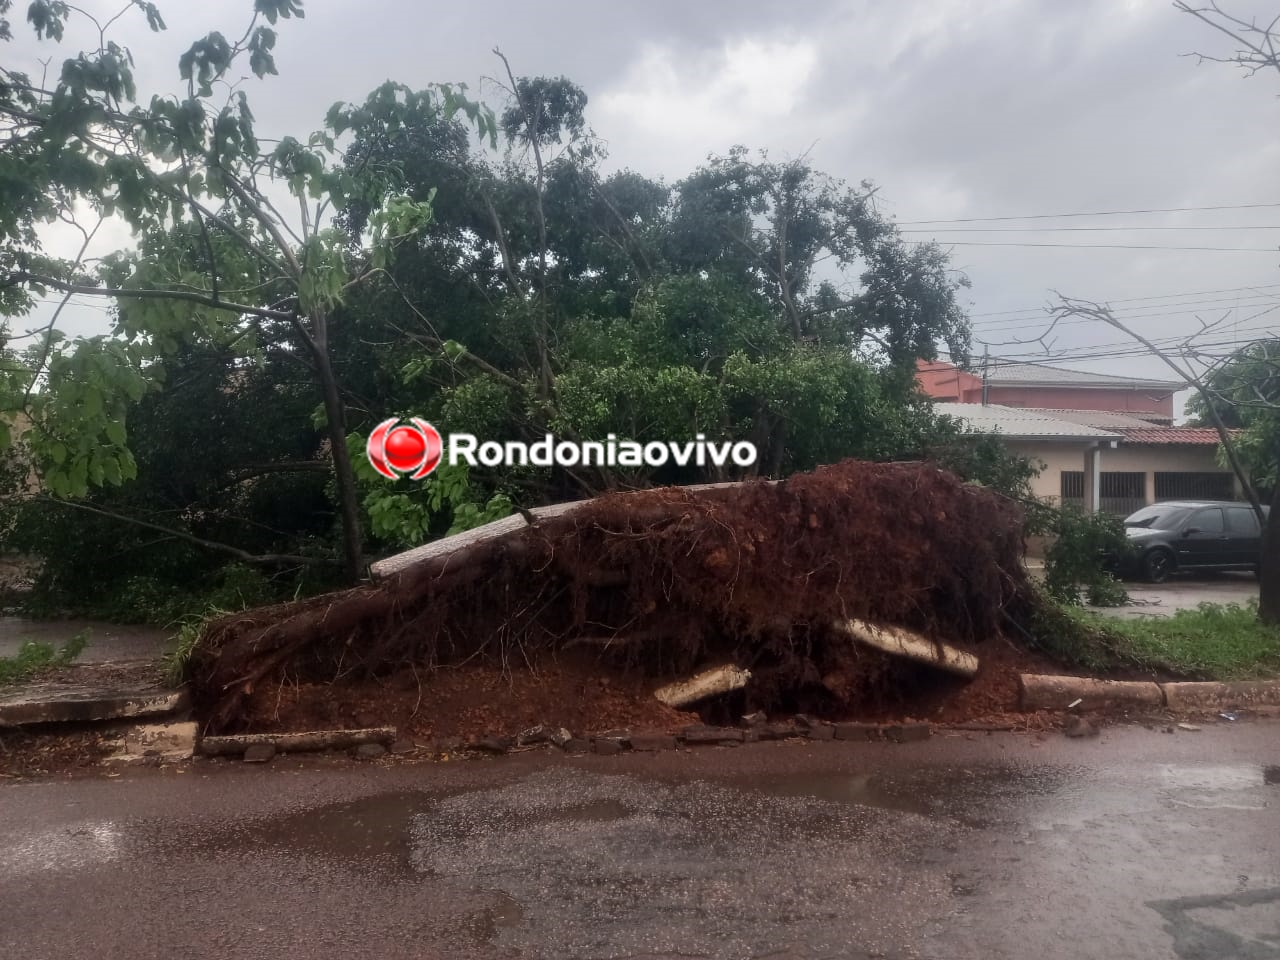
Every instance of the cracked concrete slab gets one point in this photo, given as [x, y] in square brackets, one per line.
[90, 693]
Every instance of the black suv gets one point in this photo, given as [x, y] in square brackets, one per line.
[1193, 534]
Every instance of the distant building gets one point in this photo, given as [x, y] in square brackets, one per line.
[1039, 386]
[1105, 462]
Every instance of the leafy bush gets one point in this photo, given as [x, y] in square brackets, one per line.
[35, 657]
[1079, 561]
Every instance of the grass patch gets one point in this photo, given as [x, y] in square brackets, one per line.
[184, 644]
[34, 658]
[1212, 642]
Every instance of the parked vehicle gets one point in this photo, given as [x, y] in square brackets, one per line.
[1192, 535]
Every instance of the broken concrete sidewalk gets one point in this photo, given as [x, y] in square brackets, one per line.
[90, 693]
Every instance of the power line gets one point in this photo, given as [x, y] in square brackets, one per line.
[1080, 229]
[1121, 350]
[1109, 246]
[1206, 306]
[1163, 296]
[1096, 213]
[1182, 338]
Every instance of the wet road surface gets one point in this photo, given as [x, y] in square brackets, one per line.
[1136, 844]
[1183, 592]
[104, 642]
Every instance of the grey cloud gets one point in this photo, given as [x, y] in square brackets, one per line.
[954, 108]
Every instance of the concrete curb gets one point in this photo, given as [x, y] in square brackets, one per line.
[1041, 692]
[309, 740]
[1193, 696]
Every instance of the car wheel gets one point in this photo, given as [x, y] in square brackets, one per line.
[1157, 565]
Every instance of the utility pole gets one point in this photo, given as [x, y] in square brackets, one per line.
[986, 363]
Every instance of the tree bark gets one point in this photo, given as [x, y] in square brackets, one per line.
[1269, 568]
[344, 474]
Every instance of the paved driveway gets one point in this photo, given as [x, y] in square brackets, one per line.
[1184, 592]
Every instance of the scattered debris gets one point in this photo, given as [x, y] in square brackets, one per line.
[652, 742]
[1189, 726]
[259, 752]
[908, 732]
[495, 745]
[856, 731]
[1080, 727]
[166, 742]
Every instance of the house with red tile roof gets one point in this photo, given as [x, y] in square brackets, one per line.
[1102, 460]
[1009, 383]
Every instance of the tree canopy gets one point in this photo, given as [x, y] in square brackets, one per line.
[483, 265]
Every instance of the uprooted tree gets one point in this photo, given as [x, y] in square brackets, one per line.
[766, 576]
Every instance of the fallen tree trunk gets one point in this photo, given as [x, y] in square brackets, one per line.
[708, 683]
[297, 742]
[906, 643]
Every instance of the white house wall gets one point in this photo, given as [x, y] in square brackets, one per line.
[1133, 458]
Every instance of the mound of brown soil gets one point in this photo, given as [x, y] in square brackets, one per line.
[659, 582]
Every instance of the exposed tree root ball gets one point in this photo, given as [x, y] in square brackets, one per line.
[665, 581]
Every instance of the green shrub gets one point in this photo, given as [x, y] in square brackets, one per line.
[34, 658]
[1077, 564]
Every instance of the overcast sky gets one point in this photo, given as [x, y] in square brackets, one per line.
[954, 108]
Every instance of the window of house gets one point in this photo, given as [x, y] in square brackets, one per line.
[1194, 486]
[1122, 492]
[1072, 487]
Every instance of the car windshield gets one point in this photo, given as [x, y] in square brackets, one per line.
[1156, 518]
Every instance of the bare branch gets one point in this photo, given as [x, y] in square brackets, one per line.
[243, 555]
[14, 279]
[1070, 306]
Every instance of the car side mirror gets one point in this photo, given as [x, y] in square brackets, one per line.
[1190, 530]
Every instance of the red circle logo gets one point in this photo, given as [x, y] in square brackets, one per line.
[396, 449]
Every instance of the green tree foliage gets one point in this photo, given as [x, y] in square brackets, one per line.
[508, 286]
[215, 259]
[1245, 391]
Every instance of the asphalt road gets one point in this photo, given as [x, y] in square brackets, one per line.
[1136, 844]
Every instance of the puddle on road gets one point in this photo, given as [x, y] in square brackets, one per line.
[1217, 786]
[375, 830]
[956, 793]
[594, 811]
[371, 830]
[866, 790]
